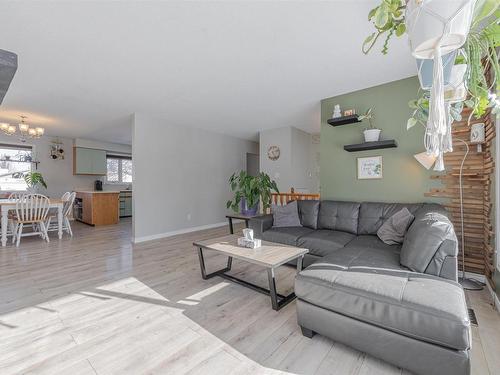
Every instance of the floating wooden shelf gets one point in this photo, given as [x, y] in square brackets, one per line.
[344, 120]
[371, 145]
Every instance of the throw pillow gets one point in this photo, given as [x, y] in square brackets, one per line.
[286, 216]
[393, 230]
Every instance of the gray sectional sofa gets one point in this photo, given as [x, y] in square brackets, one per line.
[400, 303]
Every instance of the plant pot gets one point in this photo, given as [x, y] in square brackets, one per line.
[430, 22]
[248, 211]
[372, 135]
[456, 91]
[425, 68]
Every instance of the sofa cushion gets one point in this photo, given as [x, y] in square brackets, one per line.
[384, 257]
[286, 216]
[372, 215]
[342, 216]
[420, 306]
[308, 213]
[372, 242]
[430, 239]
[285, 235]
[323, 242]
[393, 230]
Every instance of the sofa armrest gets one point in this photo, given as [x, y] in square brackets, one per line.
[260, 224]
[430, 245]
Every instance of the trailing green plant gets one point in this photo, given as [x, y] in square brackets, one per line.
[481, 57]
[389, 19]
[420, 112]
[480, 48]
[368, 116]
[34, 180]
[252, 189]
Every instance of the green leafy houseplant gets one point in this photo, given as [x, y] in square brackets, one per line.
[480, 49]
[34, 180]
[368, 116]
[420, 108]
[251, 189]
[388, 18]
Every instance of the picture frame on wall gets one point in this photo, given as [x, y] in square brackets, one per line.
[369, 168]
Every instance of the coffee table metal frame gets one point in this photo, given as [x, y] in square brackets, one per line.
[277, 300]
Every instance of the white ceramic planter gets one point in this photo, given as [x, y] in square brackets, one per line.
[455, 91]
[372, 135]
[430, 22]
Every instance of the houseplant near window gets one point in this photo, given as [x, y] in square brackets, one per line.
[372, 134]
[249, 190]
[34, 180]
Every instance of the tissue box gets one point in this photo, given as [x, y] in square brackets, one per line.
[251, 244]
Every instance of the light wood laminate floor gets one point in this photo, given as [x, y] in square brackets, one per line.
[96, 304]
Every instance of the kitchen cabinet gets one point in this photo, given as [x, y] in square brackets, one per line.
[98, 207]
[125, 203]
[89, 161]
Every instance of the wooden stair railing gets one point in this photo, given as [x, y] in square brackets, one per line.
[282, 199]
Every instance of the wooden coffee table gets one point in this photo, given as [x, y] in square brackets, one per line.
[270, 256]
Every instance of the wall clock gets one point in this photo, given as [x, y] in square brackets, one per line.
[273, 152]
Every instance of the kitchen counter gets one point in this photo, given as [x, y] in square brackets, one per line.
[98, 207]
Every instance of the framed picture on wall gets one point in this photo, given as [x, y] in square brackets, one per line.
[369, 168]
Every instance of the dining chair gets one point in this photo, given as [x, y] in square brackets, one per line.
[11, 215]
[31, 209]
[69, 200]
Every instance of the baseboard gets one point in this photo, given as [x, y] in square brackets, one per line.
[473, 276]
[494, 297]
[176, 232]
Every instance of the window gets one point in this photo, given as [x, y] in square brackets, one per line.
[15, 162]
[119, 169]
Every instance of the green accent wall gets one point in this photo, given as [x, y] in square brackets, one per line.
[404, 179]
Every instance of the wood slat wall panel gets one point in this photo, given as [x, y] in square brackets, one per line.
[477, 174]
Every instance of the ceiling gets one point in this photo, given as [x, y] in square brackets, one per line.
[233, 67]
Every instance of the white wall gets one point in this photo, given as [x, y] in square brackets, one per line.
[296, 166]
[279, 170]
[181, 176]
[57, 173]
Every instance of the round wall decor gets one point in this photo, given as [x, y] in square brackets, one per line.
[273, 152]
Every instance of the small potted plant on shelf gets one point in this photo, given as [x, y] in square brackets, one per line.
[34, 180]
[249, 190]
[372, 134]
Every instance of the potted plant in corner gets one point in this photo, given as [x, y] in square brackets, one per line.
[249, 190]
[34, 180]
[371, 134]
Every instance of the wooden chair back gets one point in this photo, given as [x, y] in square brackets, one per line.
[32, 208]
[15, 196]
[68, 203]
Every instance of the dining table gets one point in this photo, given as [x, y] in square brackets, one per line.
[7, 205]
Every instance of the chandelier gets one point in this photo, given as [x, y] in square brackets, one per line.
[24, 129]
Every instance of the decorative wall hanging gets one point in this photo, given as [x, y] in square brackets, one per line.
[273, 153]
[369, 168]
[56, 150]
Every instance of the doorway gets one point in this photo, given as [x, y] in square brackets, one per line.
[253, 167]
